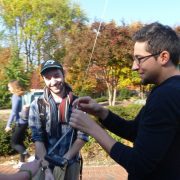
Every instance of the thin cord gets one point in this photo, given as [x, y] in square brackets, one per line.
[91, 55]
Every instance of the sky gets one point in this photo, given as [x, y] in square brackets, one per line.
[164, 11]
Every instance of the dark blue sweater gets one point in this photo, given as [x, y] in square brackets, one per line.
[155, 133]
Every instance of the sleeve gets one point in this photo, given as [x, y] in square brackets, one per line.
[35, 123]
[83, 136]
[14, 111]
[156, 132]
[124, 128]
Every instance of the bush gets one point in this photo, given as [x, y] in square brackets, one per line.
[5, 139]
[125, 94]
[5, 101]
[101, 99]
[128, 112]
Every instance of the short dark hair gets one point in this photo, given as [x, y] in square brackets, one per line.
[160, 38]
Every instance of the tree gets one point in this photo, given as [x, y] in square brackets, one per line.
[78, 47]
[111, 55]
[13, 69]
[36, 80]
[32, 25]
[5, 54]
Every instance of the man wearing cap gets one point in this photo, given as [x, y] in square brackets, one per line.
[52, 125]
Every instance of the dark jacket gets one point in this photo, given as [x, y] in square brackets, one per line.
[155, 133]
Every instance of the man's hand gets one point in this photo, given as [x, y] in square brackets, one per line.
[88, 105]
[49, 175]
[31, 166]
[82, 121]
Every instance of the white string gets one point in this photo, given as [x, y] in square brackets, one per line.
[91, 55]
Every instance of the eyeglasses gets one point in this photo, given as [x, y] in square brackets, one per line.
[140, 60]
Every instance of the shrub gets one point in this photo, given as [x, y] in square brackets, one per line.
[5, 101]
[5, 139]
[125, 94]
[128, 112]
[101, 99]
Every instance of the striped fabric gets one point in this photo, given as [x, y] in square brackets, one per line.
[64, 108]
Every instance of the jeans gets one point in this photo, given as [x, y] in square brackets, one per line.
[17, 139]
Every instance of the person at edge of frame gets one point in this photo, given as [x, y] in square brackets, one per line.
[21, 125]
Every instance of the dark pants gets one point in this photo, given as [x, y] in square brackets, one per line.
[17, 139]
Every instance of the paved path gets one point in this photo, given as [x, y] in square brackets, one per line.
[112, 172]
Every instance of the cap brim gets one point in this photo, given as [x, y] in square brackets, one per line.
[49, 67]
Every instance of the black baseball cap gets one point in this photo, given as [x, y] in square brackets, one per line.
[50, 64]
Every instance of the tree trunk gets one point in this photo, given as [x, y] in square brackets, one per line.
[110, 97]
[114, 97]
[109, 94]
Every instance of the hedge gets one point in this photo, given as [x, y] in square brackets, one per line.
[128, 113]
[5, 139]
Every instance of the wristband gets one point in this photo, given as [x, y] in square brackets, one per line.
[28, 171]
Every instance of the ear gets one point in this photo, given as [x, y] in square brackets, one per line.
[164, 57]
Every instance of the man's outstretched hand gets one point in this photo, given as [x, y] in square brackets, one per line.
[89, 105]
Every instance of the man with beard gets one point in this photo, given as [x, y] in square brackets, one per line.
[49, 121]
[155, 131]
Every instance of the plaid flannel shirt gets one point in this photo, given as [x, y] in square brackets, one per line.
[49, 140]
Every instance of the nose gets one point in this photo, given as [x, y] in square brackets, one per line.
[135, 66]
[53, 81]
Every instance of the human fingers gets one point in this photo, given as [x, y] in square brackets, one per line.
[76, 115]
[81, 121]
[31, 166]
[77, 102]
[49, 175]
[87, 105]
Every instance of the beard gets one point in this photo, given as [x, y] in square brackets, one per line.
[58, 89]
[145, 82]
[149, 79]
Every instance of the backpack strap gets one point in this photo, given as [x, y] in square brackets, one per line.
[42, 112]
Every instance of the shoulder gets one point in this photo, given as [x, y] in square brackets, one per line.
[16, 97]
[164, 97]
[166, 91]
